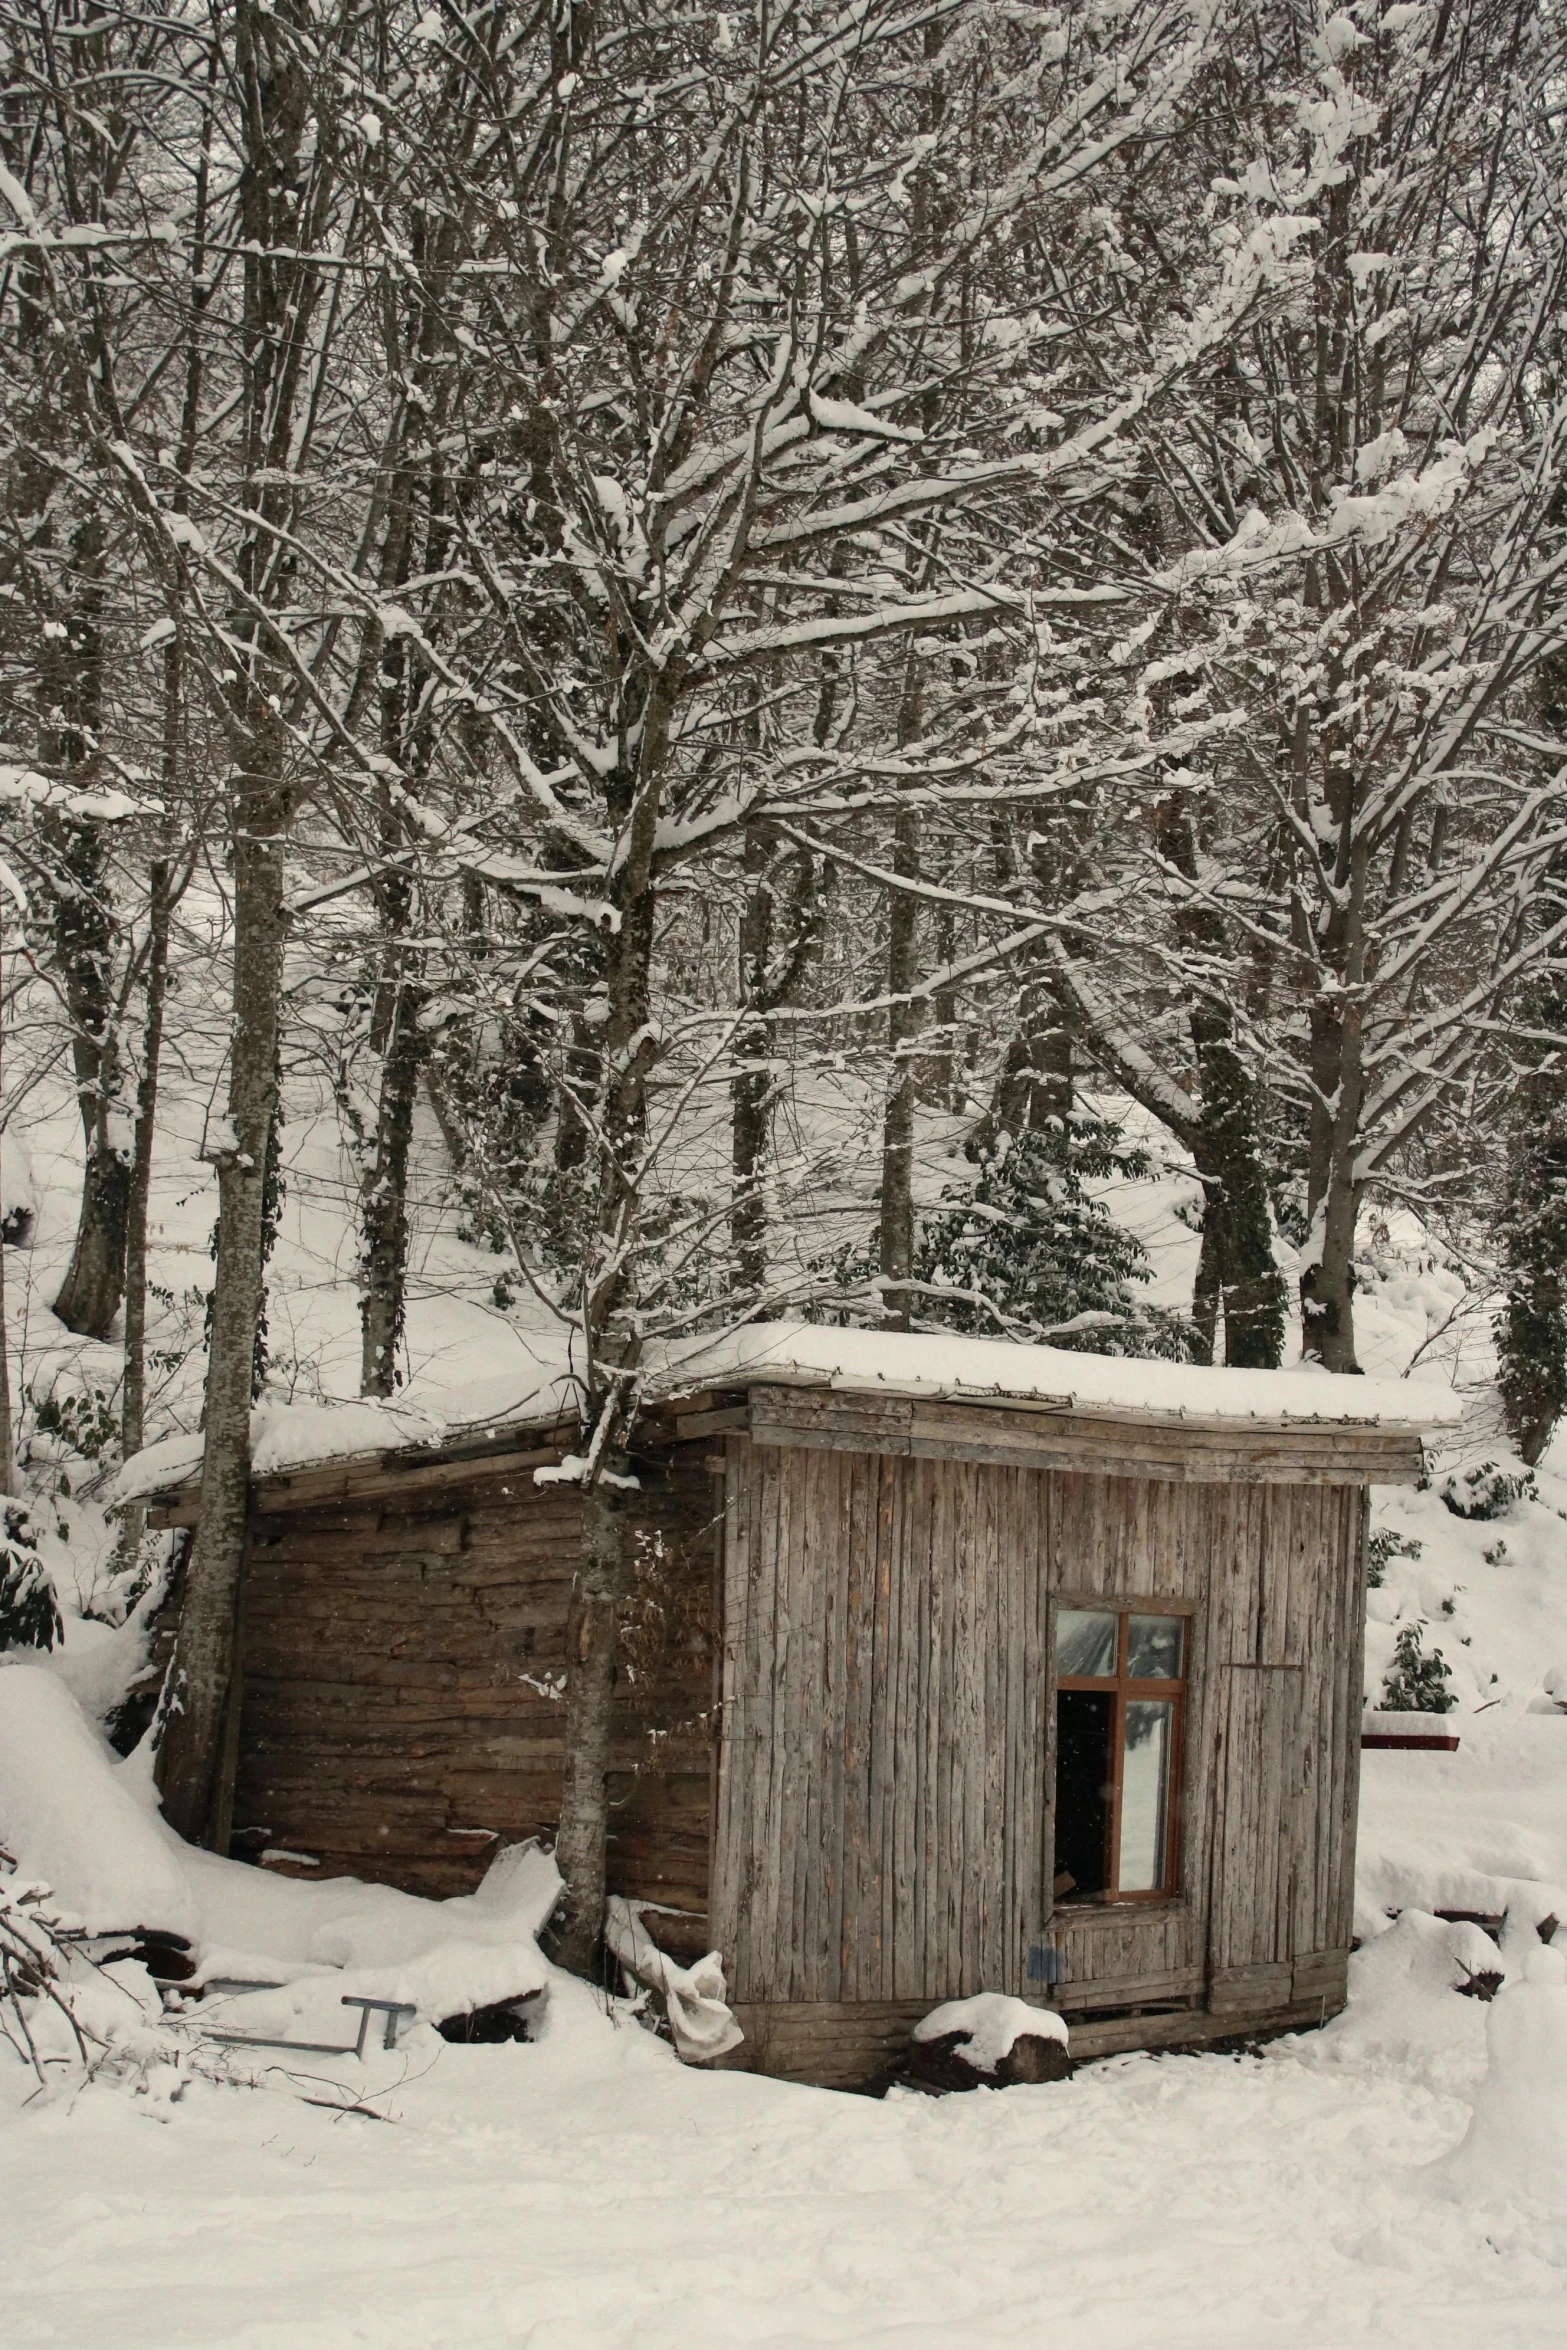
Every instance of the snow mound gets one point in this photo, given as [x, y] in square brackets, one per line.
[68, 1819]
[994, 2024]
[1515, 2149]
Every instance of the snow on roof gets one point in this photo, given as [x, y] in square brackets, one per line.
[957, 1370]
[992, 1370]
[285, 1436]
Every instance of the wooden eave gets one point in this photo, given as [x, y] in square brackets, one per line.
[1041, 1432]
[1056, 1434]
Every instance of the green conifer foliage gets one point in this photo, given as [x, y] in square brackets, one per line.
[1029, 1252]
[29, 1617]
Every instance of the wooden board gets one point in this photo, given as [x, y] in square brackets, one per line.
[856, 2045]
[1090, 1443]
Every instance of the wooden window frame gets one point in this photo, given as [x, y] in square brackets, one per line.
[1121, 1688]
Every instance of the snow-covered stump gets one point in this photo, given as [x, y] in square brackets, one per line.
[988, 2042]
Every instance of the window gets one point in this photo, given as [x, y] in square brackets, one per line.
[1120, 1687]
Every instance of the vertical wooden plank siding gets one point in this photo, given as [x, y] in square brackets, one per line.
[883, 1832]
[898, 1728]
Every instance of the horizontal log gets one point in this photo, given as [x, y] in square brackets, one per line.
[1130, 1990]
[690, 1425]
[1237, 1989]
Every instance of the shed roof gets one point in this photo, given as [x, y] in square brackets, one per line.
[286, 1437]
[980, 1370]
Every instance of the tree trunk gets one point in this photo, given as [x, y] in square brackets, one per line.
[1237, 1267]
[1229, 1160]
[85, 936]
[1208, 1288]
[133, 1400]
[84, 946]
[752, 1101]
[1327, 1281]
[625, 1056]
[751, 1091]
[896, 1231]
[7, 1432]
[598, 1595]
[196, 1799]
[384, 1191]
[94, 1283]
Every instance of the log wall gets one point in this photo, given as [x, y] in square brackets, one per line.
[404, 1661]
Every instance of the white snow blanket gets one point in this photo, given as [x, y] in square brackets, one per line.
[293, 1436]
[994, 2025]
[980, 1368]
[1515, 2148]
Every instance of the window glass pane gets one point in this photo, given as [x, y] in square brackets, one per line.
[1145, 1794]
[1084, 1721]
[1153, 1648]
[1085, 1641]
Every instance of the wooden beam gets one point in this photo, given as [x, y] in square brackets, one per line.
[1090, 1445]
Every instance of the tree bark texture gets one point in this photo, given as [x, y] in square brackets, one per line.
[190, 1757]
[895, 1237]
[1237, 1270]
[383, 1207]
[1327, 1282]
[284, 196]
[133, 1397]
[598, 1596]
[770, 968]
[84, 952]
[7, 1432]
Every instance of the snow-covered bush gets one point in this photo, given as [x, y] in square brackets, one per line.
[1417, 1683]
[29, 1613]
[1385, 1545]
[1487, 1492]
[69, 2015]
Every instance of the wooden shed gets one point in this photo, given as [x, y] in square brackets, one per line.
[952, 1666]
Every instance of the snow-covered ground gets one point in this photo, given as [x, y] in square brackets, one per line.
[585, 2189]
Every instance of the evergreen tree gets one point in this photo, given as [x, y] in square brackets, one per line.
[1029, 1252]
[29, 1617]
[1417, 1683]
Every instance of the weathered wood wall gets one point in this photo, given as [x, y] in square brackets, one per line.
[883, 1832]
[874, 1772]
[404, 1654]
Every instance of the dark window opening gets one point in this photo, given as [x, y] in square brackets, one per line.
[1084, 1721]
[1120, 1689]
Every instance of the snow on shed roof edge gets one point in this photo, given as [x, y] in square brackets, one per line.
[950, 1369]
